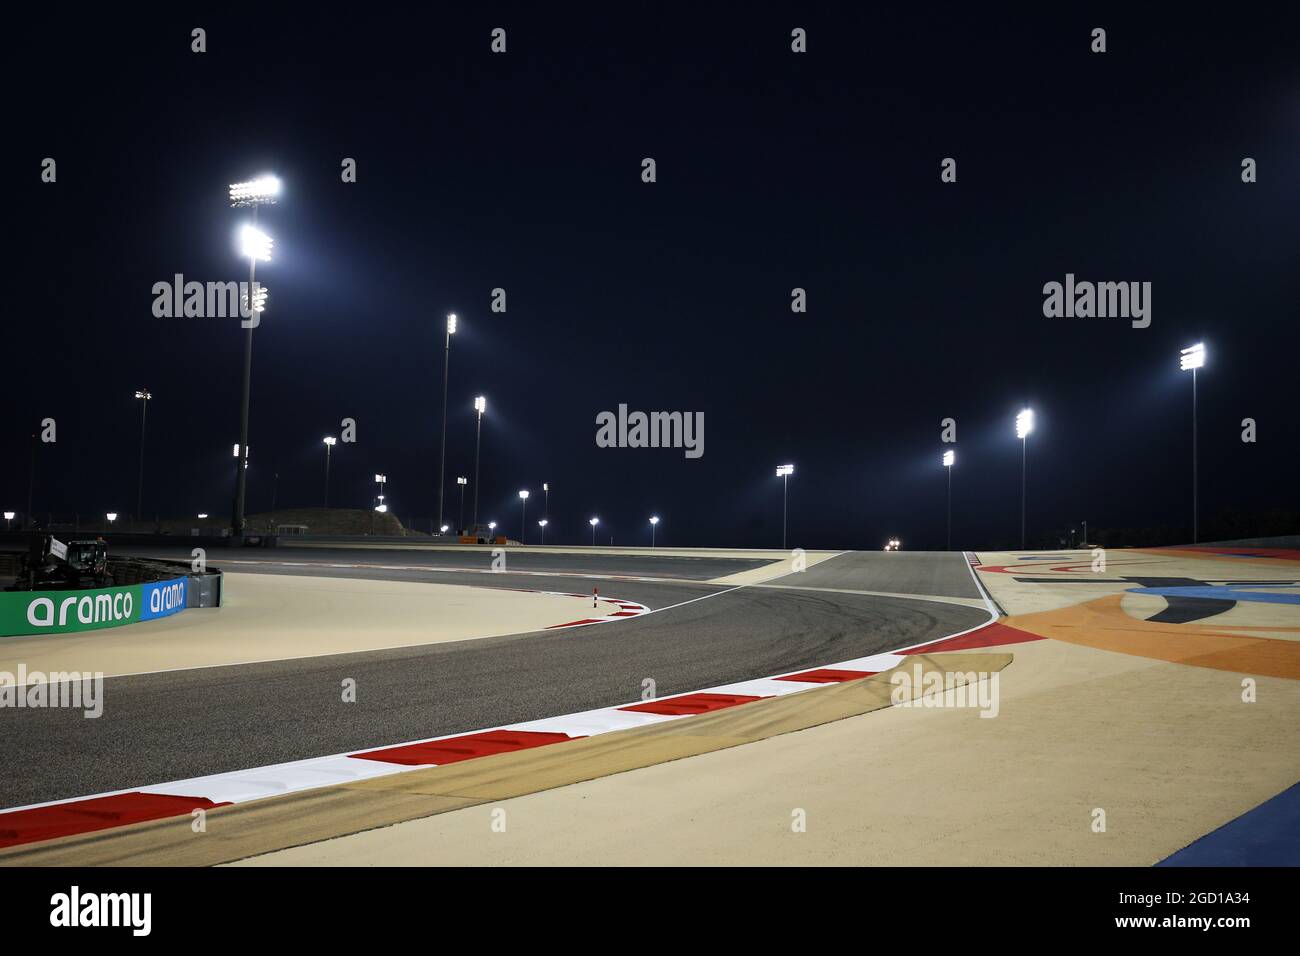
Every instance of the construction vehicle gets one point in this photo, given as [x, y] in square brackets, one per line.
[51, 565]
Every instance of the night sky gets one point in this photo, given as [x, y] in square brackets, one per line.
[775, 170]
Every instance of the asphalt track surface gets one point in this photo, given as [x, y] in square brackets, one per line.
[169, 726]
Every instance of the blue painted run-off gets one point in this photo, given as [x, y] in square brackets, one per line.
[1226, 593]
[1269, 835]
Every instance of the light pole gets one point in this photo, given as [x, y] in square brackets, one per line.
[9, 517]
[1024, 425]
[593, 522]
[654, 521]
[329, 446]
[784, 471]
[380, 507]
[546, 500]
[542, 524]
[143, 395]
[1193, 357]
[446, 371]
[111, 516]
[462, 481]
[523, 516]
[949, 458]
[492, 529]
[480, 406]
[256, 245]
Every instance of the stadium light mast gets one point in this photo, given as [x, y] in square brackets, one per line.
[142, 394]
[1192, 358]
[256, 245]
[542, 524]
[1024, 425]
[523, 516]
[784, 471]
[480, 406]
[9, 517]
[546, 500]
[654, 521]
[329, 446]
[462, 481]
[949, 459]
[593, 522]
[380, 480]
[446, 371]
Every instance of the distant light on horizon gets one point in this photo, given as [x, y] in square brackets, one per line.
[949, 457]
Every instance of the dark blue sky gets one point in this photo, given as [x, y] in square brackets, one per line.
[775, 170]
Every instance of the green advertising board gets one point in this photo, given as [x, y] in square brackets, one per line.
[61, 612]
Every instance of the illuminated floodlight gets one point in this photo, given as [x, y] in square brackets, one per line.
[256, 192]
[111, 516]
[444, 528]
[255, 244]
[1024, 423]
[380, 479]
[235, 452]
[1192, 357]
[9, 515]
[949, 457]
[523, 494]
[451, 324]
[545, 486]
[492, 525]
[330, 440]
[462, 481]
[259, 298]
[143, 393]
[654, 519]
[203, 514]
[783, 470]
[480, 404]
[382, 509]
[593, 521]
[543, 523]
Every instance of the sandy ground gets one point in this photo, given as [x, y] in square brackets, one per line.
[281, 617]
[1168, 752]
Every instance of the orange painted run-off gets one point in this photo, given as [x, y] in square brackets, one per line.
[1102, 623]
[96, 813]
[690, 704]
[456, 749]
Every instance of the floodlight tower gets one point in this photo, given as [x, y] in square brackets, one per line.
[949, 459]
[784, 471]
[329, 447]
[256, 245]
[1192, 358]
[462, 481]
[654, 522]
[480, 406]
[593, 522]
[523, 516]
[446, 371]
[542, 524]
[1024, 425]
[141, 394]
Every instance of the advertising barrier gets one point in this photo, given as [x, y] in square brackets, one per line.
[60, 612]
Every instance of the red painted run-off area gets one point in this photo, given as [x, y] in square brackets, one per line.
[990, 635]
[97, 813]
